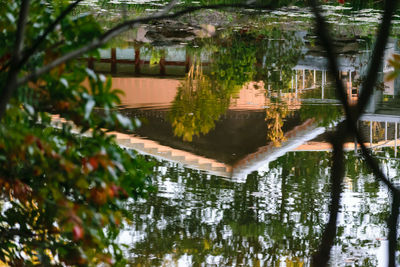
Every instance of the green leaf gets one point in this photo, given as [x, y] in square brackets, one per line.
[89, 107]
[91, 74]
[64, 82]
[124, 121]
[10, 17]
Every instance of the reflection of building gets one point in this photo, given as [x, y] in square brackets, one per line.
[146, 92]
[212, 158]
[240, 168]
[160, 93]
[238, 145]
[173, 61]
[309, 73]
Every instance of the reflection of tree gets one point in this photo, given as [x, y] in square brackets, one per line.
[197, 105]
[324, 114]
[259, 217]
[278, 51]
[277, 214]
[274, 116]
[203, 98]
[235, 63]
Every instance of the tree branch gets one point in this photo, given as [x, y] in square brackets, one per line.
[122, 28]
[11, 233]
[374, 165]
[29, 51]
[392, 225]
[322, 256]
[11, 80]
[368, 85]
[323, 33]
[327, 43]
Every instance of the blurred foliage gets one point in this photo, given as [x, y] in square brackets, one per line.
[62, 195]
[156, 56]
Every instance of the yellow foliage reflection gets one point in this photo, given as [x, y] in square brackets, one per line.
[197, 105]
[274, 116]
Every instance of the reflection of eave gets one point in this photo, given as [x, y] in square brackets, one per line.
[260, 159]
[252, 162]
[298, 139]
[313, 146]
[155, 149]
[295, 137]
[380, 118]
[161, 152]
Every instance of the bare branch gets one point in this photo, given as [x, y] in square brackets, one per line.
[368, 85]
[323, 33]
[392, 225]
[374, 165]
[321, 258]
[22, 20]
[122, 28]
[11, 81]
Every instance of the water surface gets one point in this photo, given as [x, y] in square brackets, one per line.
[237, 120]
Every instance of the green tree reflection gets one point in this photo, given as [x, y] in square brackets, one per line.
[204, 96]
[197, 105]
[274, 216]
[277, 54]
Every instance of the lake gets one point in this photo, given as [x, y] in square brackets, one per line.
[236, 110]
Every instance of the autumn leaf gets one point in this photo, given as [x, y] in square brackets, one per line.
[77, 232]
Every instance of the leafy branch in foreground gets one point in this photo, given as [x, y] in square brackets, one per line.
[63, 196]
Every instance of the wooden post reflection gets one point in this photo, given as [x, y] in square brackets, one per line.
[91, 63]
[187, 62]
[113, 60]
[137, 60]
[162, 65]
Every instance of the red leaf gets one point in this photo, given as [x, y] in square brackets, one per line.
[29, 139]
[39, 144]
[98, 196]
[114, 189]
[77, 232]
[94, 162]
